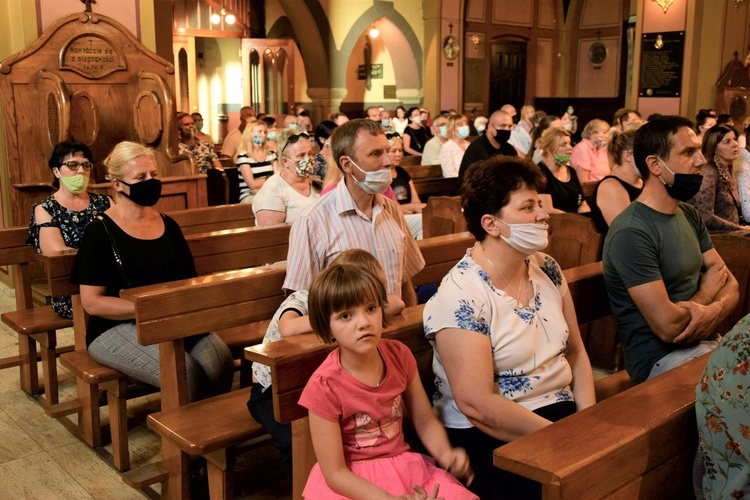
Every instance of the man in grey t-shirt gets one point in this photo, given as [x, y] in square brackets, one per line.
[654, 252]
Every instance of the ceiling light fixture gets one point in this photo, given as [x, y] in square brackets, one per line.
[228, 17]
[374, 32]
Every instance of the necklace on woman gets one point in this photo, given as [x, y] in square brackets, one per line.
[519, 304]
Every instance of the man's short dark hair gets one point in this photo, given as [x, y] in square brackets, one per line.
[344, 137]
[655, 138]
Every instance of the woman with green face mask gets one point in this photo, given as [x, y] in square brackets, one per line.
[58, 223]
[563, 191]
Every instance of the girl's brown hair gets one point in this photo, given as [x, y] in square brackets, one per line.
[354, 278]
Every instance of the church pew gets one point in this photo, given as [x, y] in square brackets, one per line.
[639, 443]
[165, 314]
[294, 359]
[38, 324]
[214, 218]
[31, 323]
[443, 215]
[735, 251]
[410, 161]
[429, 181]
[213, 252]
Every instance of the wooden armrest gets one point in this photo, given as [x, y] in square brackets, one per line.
[617, 439]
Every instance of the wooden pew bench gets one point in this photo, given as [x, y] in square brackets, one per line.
[31, 323]
[429, 181]
[637, 444]
[294, 359]
[165, 315]
[177, 307]
[215, 218]
[443, 215]
[213, 252]
[735, 251]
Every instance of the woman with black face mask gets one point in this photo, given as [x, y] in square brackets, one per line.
[131, 245]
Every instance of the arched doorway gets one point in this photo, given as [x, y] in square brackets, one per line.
[507, 73]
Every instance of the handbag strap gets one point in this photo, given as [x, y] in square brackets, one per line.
[115, 251]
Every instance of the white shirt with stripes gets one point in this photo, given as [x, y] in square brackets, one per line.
[334, 224]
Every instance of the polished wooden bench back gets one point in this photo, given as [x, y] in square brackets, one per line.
[411, 161]
[735, 251]
[429, 181]
[573, 240]
[443, 215]
[216, 218]
[213, 252]
[637, 444]
[239, 248]
[440, 255]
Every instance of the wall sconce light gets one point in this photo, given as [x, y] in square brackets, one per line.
[664, 4]
[737, 4]
[228, 17]
[374, 32]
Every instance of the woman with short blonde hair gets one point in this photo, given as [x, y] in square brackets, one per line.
[132, 245]
[452, 151]
[589, 158]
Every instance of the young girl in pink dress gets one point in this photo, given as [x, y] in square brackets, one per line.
[356, 401]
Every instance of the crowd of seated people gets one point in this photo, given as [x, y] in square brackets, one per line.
[333, 186]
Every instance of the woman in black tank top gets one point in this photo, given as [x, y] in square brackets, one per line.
[617, 190]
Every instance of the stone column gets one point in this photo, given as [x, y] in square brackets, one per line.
[325, 101]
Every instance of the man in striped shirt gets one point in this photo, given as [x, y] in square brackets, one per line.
[355, 215]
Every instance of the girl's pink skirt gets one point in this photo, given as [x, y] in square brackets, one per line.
[396, 475]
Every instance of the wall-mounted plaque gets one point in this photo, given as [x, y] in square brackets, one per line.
[661, 64]
[376, 71]
[92, 56]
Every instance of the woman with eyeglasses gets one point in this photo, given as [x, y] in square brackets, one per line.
[58, 223]
[255, 160]
[456, 129]
[133, 245]
[285, 194]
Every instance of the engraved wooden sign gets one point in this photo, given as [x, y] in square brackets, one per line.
[92, 56]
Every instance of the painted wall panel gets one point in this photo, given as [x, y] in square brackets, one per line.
[124, 11]
[475, 10]
[544, 65]
[596, 13]
[598, 80]
[513, 12]
[546, 14]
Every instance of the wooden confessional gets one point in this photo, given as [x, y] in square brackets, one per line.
[88, 79]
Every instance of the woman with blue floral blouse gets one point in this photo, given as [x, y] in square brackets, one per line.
[723, 412]
[508, 354]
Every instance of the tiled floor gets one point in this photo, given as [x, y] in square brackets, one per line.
[41, 459]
